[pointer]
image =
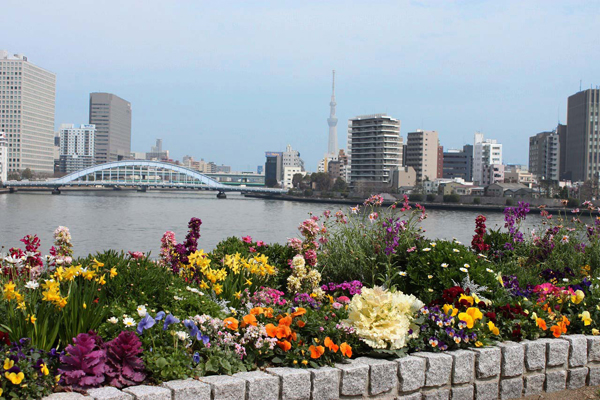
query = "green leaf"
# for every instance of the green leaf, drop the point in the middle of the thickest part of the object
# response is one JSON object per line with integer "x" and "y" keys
{"x": 212, "y": 364}
{"x": 161, "y": 363}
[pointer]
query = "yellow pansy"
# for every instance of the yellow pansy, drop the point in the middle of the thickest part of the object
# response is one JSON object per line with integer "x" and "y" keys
{"x": 14, "y": 378}
{"x": 450, "y": 310}
{"x": 8, "y": 364}
{"x": 44, "y": 369}
{"x": 577, "y": 297}
{"x": 595, "y": 332}
{"x": 493, "y": 328}
{"x": 586, "y": 318}
{"x": 469, "y": 299}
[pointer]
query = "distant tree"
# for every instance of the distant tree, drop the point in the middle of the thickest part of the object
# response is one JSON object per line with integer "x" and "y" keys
{"x": 270, "y": 182}
{"x": 340, "y": 185}
{"x": 322, "y": 180}
{"x": 14, "y": 176}
{"x": 26, "y": 174}
{"x": 297, "y": 179}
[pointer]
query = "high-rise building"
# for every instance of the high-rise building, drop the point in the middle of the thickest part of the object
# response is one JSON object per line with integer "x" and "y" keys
{"x": 77, "y": 147}
{"x": 440, "y": 162}
{"x": 422, "y": 154}
{"x": 374, "y": 148}
{"x": 27, "y": 113}
{"x": 582, "y": 152}
{"x": 3, "y": 157}
{"x": 544, "y": 153}
{"x": 485, "y": 152}
{"x": 332, "y": 147}
{"x": 273, "y": 168}
{"x": 291, "y": 158}
{"x": 562, "y": 144}
{"x": 459, "y": 163}
{"x": 157, "y": 152}
{"x": 112, "y": 117}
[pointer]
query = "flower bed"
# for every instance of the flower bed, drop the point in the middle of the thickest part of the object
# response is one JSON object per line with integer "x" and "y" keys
{"x": 363, "y": 299}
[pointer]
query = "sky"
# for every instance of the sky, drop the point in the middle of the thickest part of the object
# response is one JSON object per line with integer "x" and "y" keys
{"x": 227, "y": 81}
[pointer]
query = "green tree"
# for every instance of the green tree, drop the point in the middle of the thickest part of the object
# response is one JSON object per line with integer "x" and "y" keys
{"x": 297, "y": 179}
{"x": 26, "y": 174}
{"x": 340, "y": 185}
{"x": 322, "y": 180}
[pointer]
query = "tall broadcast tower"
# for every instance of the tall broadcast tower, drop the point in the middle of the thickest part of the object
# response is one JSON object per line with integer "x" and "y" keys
{"x": 332, "y": 121}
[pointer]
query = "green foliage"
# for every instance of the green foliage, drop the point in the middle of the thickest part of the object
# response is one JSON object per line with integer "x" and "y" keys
{"x": 219, "y": 362}
{"x": 165, "y": 363}
{"x": 476, "y": 200}
{"x": 451, "y": 198}
{"x": 431, "y": 197}
{"x": 415, "y": 197}
{"x": 436, "y": 266}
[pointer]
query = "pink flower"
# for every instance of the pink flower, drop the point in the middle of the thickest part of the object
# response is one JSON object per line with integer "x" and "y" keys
{"x": 311, "y": 257}
{"x": 411, "y": 249}
{"x": 247, "y": 239}
{"x": 260, "y": 243}
{"x": 373, "y": 216}
{"x": 343, "y": 300}
{"x": 252, "y": 250}
{"x": 136, "y": 255}
{"x": 337, "y": 305}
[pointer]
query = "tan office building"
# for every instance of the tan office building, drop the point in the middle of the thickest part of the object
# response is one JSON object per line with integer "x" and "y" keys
{"x": 582, "y": 142}
{"x": 27, "y": 102}
{"x": 112, "y": 117}
{"x": 422, "y": 149}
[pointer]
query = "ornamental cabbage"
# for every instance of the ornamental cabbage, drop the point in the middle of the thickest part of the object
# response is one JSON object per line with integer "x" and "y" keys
{"x": 84, "y": 364}
{"x": 383, "y": 319}
{"x": 124, "y": 366}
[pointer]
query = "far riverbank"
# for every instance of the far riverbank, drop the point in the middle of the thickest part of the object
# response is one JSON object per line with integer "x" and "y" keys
{"x": 428, "y": 205}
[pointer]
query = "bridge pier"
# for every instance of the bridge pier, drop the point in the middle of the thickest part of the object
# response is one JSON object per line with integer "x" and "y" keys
{"x": 221, "y": 195}
{"x": 12, "y": 190}
{"x": 116, "y": 188}
{"x": 56, "y": 191}
{"x": 143, "y": 189}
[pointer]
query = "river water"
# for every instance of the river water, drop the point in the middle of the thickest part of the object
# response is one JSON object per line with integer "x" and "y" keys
{"x": 133, "y": 221}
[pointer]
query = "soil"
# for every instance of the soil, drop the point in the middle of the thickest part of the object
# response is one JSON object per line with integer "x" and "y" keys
{"x": 586, "y": 393}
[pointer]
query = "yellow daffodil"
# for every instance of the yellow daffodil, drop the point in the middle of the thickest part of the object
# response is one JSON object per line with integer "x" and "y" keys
{"x": 84, "y": 306}
{"x": 577, "y": 297}
{"x": 595, "y": 332}
{"x": 33, "y": 319}
{"x": 499, "y": 278}
{"x": 57, "y": 378}
{"x": 101, "y": 280}
{"x": 238, "y": 295}
{"x": 14, "y": 378}
{"x": 586, "y": 318}
{"x": 9, "y": 287}
{"x": 248, "y": 282}
{"x": 89, "y": 274}
{"x": 1, "y": 391}
{"x": 204, "y": 285}
{"x": 44, "y": 369}
{"x": 98, "y": 264}
{"x": 218, "y": 288}
{"x": 113, "y": 272}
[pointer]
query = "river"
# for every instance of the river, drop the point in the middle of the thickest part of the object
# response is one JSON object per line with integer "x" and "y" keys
{"x": 133, "y": 221}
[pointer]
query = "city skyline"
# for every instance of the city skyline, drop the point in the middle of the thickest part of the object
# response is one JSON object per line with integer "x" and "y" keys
{"x": 503, "y": 69}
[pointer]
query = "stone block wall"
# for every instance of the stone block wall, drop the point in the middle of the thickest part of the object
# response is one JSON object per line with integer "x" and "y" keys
{"x": 507, "y": 371}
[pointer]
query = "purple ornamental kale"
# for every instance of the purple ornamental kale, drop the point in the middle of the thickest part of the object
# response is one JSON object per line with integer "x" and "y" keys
{"x": 124, "y": 366}
{"x": 84, "y": 364}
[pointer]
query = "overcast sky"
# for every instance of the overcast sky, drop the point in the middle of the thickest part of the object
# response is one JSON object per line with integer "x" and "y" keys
{"x": 228, "y": 80}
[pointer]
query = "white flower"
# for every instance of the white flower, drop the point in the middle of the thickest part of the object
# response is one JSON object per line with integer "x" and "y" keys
{"x": 464, "y": 270}
{"x": 482, "y": 255}
{"x": 456, "y": 250}
{"x": 467, "y": 266}
{"x": 403, "y": 273}
{"x": 178, "y": 298}
{"x": 298, "y": 261}
{"x": 444, "y": 265}
{"x": 489, "y": 270}
{"x": 430, "y": 276}
{"x": 32, "y": 285}
{"x": 433, "y": 244}
{"x": 354, "y": 210}
{"x": 128, "y": 321}
{"x": 565, "y": 280}
{"x": 457, "y": 242}
{"x": 181, "y": 335}
{"x": 142, "y": 311}
{"x": 113, "y": 320}
{"x": 565, "y": 239}
{"x": 427, "y": 249}
{"x": 431, "y": 290}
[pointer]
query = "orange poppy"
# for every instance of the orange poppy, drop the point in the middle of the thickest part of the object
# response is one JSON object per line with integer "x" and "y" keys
{"x": 250, "y": 320}
{"x": 346, "y": 350}
{"x": 330, "y": 345}
{"x": 231, "y": 323}
{"x": 284, "y": 345}
{"x": 256, "y": 311}
{"x": 271, "y": 330}
{"x": 316, "y": 351}
{"x": 300, "y": 323}
{"x": 299, "y": 311}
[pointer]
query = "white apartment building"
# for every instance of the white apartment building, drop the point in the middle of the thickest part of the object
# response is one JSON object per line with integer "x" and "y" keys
{"x": 77, "y": 147}
{"x": 27, "y": 102}
{"x": 486, "y": 152}
{"x": 422, "y": 154}
{"x": 3, "y": 157}
{"x": 374, "y": 148}
{"x": 288, "y": 176}
{"x": 291, "y": 158}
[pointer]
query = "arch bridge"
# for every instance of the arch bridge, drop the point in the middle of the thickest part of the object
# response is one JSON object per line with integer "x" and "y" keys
{"x": 138, "y": 174}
